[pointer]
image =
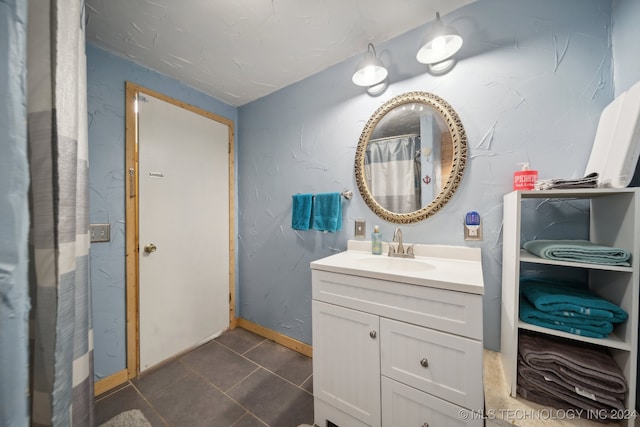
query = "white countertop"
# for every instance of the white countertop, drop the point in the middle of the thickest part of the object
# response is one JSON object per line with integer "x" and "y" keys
{"x": 456, "y": 268}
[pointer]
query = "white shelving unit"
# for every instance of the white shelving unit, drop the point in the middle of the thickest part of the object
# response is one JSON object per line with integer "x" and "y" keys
{"x": 614, "y": 220}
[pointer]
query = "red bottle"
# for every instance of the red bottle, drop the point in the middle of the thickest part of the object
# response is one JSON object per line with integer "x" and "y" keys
{"x": 524, "y": 179}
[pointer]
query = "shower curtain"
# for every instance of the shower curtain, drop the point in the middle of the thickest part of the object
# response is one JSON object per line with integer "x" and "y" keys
{"x": 61, "y": 383}
{"x": 392, "y": 171}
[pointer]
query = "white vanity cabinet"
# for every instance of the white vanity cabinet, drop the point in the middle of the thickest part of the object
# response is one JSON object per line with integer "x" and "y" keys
{"x": 614, "y": 220}
{"x": 390, "y": 353}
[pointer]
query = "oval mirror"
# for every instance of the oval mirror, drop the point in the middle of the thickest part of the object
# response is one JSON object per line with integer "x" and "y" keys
{"x": 410, "y": 157}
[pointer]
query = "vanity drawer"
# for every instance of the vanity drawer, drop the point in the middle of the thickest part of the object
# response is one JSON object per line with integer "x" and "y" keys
{"x": 444, "y": 310}
{"x": 438, "y": 363}
{"x": 404, "y": 406}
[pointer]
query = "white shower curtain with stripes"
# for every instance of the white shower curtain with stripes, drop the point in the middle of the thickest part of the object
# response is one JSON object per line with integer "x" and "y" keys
{"x": 62, "y": 348}
{"x": 392, "y": 171}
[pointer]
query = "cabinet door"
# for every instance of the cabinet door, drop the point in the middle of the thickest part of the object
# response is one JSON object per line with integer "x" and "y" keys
{"x": 346, "y": 361}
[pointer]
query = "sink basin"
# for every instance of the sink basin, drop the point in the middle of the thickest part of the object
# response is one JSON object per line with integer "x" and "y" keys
{"x": 390, "y": 263}
{"x": 456, "y": 268}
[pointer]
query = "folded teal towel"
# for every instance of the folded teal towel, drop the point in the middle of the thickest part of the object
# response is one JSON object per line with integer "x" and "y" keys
{"x": 573, "y": 325}
{"x": 327, "y": 212}
{"x": 301, "y": 211}
{"x": 567, "y": 299}
{"x": 578, "y": 251}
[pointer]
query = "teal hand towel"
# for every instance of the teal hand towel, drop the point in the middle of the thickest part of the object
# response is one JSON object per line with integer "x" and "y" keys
{"x": 557, "y": 298}
{"x": 578, "y": 251}
{"x": 327, "y": 212}
{"x": 573, "y": 325}
{"x": 301, "y": 211}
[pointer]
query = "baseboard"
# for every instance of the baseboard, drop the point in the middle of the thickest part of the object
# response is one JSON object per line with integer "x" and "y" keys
{"x": 272, "y": 335}
{"x": 110, "y": 382}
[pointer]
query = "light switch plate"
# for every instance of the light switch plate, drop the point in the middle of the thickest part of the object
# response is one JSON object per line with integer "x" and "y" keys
{"x": 100, "y": 232}
{"x": 360, "y": 231}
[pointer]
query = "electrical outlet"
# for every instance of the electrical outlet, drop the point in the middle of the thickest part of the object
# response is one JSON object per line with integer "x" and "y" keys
{"x": 100, "y": 232}
{"x": 473, "y": 232}
{"x": 360, "y": 231}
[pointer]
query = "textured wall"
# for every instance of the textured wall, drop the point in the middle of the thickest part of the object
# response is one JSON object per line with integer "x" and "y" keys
{"x": 531, "y": 83}
{"x": 106, "y": 76}
{"x": 14, "y": 215}
{"x": 626, "y": 33}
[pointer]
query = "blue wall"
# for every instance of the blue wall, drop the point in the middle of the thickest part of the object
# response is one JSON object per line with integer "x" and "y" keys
{"x": 106, "y": 76}
{"x": 530, "y": 85}
{"x": 625, "y": 38}
{"x": 14, "y": 215}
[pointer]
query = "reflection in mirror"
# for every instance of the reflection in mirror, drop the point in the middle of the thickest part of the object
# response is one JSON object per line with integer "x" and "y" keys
{"x": 408, "y": 153}
{"x": 410, "y": 157}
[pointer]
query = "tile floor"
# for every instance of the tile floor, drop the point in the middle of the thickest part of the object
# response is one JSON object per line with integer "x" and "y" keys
{"x": 239, "y": 379}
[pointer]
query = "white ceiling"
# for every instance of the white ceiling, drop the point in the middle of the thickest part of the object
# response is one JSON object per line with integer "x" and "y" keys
{"x": 240, "y": 50}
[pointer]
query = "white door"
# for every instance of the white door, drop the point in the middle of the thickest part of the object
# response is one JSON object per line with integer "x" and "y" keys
{"x": 183, "y": 229}
{"x": 346, "y": 361}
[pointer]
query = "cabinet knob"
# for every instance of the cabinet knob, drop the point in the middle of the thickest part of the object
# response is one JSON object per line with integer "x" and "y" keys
{"x": 425, "y": 364}
{"x": 373, "y": 334}
{"x": 425, "y": 425}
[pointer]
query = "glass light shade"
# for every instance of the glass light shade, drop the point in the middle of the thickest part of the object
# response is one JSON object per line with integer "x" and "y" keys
{"x": 439, "y": 49}
{"x": 441, "y": 43}
{"x": 370, "y": 71}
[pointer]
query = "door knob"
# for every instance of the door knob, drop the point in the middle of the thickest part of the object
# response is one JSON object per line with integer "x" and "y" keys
{"x": 150, "y": 247}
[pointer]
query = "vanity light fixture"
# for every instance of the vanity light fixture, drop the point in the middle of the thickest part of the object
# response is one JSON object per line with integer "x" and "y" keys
{"x": 439, "y": 46}
{"x": 371, "y": 73}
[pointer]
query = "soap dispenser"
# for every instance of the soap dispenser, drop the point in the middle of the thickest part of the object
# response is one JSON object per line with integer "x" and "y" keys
{"x": 376, "y": 241}
{"x": 524, "y": 179}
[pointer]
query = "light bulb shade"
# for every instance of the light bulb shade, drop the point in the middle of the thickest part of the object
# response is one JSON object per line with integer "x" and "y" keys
{"x": 370, "y": 71}
{"x": 441, "y": 43}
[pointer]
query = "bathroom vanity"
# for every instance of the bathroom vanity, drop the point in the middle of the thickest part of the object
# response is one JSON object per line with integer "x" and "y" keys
{"x": 398, "y": 341}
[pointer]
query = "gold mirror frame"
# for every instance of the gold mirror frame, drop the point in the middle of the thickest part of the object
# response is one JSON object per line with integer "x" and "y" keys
{"x": 459, "y": 141}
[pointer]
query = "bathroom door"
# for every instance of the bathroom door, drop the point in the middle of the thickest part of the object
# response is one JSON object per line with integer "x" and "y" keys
{"x": 183, "y": 216}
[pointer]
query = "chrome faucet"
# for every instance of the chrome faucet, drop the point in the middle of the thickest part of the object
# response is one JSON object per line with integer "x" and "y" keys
{"x": 400, "y": 251}
{"x": 397, "y": 237}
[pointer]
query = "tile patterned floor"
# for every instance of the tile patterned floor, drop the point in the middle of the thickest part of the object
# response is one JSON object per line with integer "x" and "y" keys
{"x": 239, "y": 379}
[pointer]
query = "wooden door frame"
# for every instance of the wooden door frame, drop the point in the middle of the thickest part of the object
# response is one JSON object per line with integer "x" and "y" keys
{"x": 131, "y": 217}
